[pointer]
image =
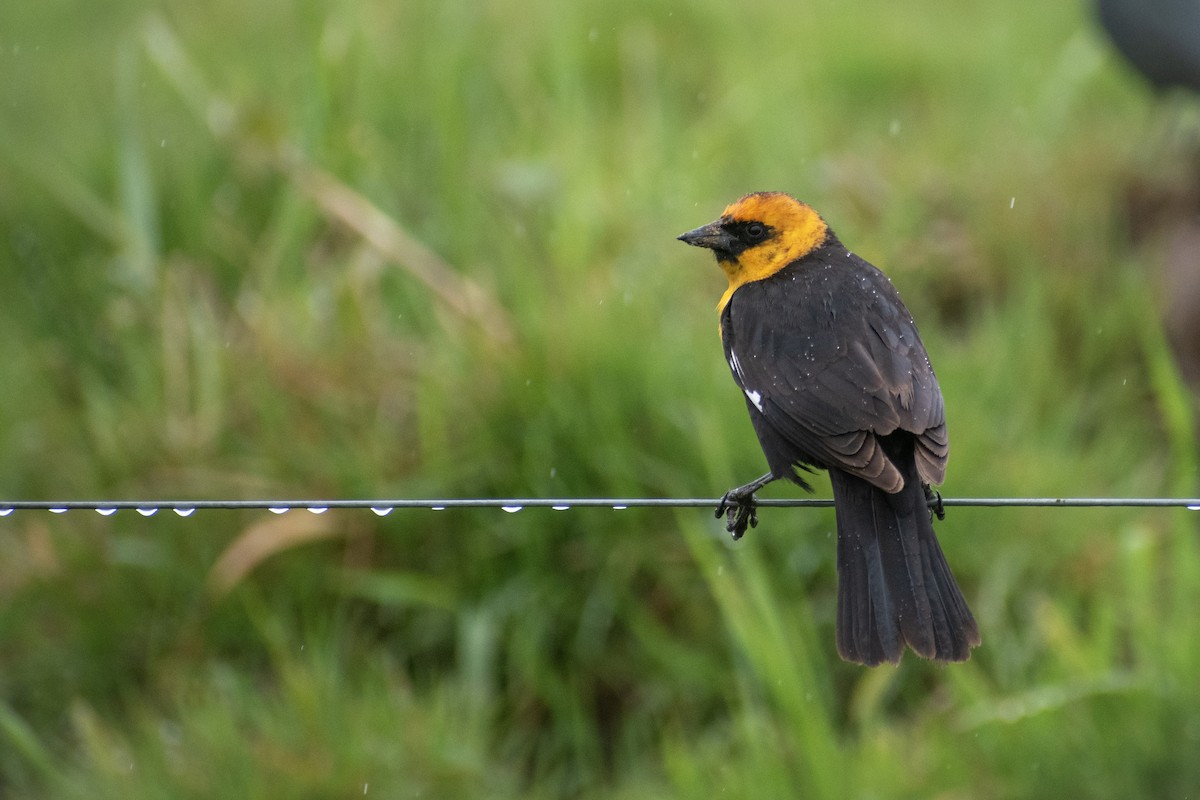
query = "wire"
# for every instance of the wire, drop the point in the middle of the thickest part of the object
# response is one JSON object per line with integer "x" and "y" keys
{"x": 513, "y": 504}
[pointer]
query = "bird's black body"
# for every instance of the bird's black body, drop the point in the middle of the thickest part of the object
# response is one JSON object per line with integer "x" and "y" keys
{"x": 836, "y": 377}
{"x": 835, "y": 361}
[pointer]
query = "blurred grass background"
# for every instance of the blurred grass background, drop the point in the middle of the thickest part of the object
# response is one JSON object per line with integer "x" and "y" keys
{"x": 427, "y": 249}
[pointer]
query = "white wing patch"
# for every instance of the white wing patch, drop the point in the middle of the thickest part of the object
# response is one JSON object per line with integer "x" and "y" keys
{"x": 736, "y": 365}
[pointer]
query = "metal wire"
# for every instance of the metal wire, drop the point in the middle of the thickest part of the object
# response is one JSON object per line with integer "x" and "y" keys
{"x": 512, "y": 504}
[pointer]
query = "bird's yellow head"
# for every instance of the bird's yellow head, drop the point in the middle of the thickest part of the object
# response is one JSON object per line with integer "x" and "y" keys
{"x": 759, "y": 235}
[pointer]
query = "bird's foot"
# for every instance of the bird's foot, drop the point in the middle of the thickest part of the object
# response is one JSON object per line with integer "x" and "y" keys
{"x": 740, "y": 512}
{"x": 740, "y": 507}
{"x": 934, "y": 498}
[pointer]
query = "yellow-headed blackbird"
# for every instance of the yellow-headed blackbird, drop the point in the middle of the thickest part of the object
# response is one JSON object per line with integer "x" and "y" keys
{"x": 836, "y": 377}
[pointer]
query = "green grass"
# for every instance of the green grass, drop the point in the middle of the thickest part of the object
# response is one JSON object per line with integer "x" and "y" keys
{"x": 192, "y": 310}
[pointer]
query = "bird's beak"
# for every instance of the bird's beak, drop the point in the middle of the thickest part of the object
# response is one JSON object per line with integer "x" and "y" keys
{"x": 713, "y": 236}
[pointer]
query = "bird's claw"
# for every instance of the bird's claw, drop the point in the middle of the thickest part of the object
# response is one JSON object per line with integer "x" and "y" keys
{"x": 740, "y": 512}
{"x": 934, "y": 497}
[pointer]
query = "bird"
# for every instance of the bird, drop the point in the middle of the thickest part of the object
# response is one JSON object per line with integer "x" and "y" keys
{"x": 1159, "y": 38}
{"x": 835, "y": 377}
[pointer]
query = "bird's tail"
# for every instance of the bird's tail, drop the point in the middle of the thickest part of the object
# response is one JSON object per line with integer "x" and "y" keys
{"x": 894, "y": 585}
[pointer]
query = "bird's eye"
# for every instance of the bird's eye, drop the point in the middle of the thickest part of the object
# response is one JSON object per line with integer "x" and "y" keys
{"x": 755, "y": 231}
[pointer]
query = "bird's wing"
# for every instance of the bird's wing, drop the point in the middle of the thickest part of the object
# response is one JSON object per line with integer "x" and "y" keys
{"x": 827, "y": 353}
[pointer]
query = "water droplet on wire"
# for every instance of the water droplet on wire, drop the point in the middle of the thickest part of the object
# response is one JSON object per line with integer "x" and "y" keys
{"x": 620, "y": 508}
{"x": 278, "y": 509}
{"x": 106, "y": 512}
{"x": 438, "y": 508}
{"x": 185, "y": 512}
{"x": 147, "y": 512}
{"x": 511, "y": 509}
{"x": 4, "y": 512}
{"x": 58, "y": 511}
{"x": 560, "y": 508}
{"x": 382, "y": 511}
{"x": 318, "y": 509}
